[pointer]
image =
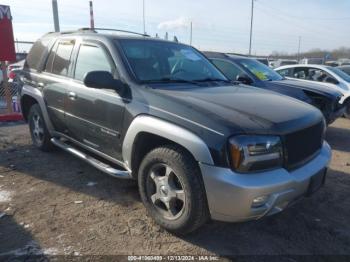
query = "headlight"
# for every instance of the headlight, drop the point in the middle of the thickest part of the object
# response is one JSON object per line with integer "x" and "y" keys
{"x": 255, "y": 153}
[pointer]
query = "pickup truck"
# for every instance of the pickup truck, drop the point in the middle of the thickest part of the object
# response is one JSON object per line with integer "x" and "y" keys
{"x": 199, "y": 146}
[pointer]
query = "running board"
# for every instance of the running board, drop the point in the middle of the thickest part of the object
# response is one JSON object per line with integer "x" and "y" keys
{"x": 92, "y": 161}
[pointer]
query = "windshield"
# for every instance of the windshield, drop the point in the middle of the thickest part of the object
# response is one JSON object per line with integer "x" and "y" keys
{"x": 340, "y": 73}
{"x": 158, "y": 61}
{"x": 260, "y": 70}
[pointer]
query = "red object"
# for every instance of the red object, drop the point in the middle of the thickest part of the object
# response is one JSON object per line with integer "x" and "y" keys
{"x": 12, "y": 75}
{"x": 11, "y": 117}
{"x": 7, "y": 44}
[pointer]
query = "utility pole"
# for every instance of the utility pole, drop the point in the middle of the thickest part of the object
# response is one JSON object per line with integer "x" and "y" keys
{"x": 299, "y": 47}
{"x": 92, "y": 21}
{"x": 251, "y": 28}
{"x": 55, "y": 16}
{"x": 191, "y": 33}
{"x": 144, "y": 16}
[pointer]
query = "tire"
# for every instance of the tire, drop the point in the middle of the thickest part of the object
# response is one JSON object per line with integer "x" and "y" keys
{"x": 186, "y": 211}
{"x": 347, "y": 110}
{"x": 38, "y": 130}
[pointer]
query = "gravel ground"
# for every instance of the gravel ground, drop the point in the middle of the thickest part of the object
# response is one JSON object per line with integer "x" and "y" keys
{"x": 54, "y": 204}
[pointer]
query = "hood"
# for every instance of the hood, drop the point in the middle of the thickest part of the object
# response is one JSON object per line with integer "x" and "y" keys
{"x": 237, "y": 109}
{"x": 329, "y": 92}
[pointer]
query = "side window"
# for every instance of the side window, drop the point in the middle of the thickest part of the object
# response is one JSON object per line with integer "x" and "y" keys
{"x": 91, "y": 58}
{"x": 49, "y": 61}
{"x": 61, "y": 59}
{"x": 230, "y": 70}
{"x": 284, "y": 72}
{"x": 301, "y": 73}
{"x": 319, "y": 75}
{"x": 36, "y": 53}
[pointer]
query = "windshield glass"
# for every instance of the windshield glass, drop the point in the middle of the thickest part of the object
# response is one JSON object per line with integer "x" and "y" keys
{"x": 158, "y": 61}
{"x": 260, "y": 70}
{"x": 340, "y": 73}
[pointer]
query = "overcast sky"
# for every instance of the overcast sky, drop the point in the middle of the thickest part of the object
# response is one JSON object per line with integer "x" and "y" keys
{"x": 221, "y": 25}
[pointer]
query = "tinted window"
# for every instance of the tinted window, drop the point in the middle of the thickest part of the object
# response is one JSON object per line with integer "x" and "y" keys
{"x": 340, "y": 73}
{"x": 158, "y": 61}
{"x": 37, "y": 53}
{"x": 48, "y": 66}
{"x": 345, "y": 69}
{"x": 260, "y": 70}
{"x": 91, "y": 58}
{"x": 315, "y": 74}
{"x": 302, "y": 73}
{"x": 285, "y": 72}
{"x": 61, "y": 61}
{"x": 230, "y": 70}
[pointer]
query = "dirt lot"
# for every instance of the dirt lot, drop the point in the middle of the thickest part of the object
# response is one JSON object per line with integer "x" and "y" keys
{"x": 52, "y": 203}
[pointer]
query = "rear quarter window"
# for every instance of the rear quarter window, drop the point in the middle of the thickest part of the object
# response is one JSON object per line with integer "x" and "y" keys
{"x": 37, "y": 53}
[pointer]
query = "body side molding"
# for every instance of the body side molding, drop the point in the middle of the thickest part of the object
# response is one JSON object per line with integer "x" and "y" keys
{"x": 153, "y": 125}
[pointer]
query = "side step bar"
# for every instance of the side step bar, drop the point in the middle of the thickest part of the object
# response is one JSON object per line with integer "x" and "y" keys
{"x": 92, "y": 161}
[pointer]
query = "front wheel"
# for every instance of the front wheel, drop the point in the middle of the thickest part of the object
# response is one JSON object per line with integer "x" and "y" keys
{"x": 38, "y": 130}
{"x": 172, "y": 190}
{"x": 347, "y": 110}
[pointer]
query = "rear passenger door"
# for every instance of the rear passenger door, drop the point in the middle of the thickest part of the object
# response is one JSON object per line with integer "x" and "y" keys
{"x": 94, "y": 116}
{"x": 55, "y": 79}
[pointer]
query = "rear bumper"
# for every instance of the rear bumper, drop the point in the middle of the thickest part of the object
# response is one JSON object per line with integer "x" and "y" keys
{"x": 230, "y": 195}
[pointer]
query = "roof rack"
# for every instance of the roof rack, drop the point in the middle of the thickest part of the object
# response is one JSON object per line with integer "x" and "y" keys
{"x": 111, "y": 29}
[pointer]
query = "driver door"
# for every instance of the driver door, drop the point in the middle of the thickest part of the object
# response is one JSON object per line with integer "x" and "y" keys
{"x": 94, "y": 116}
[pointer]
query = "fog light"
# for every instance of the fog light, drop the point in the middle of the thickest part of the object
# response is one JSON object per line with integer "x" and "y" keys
{"x": 260, "y": 201}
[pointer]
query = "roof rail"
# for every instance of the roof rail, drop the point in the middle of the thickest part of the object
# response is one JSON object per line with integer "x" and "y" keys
{"x": 111, "y": 29}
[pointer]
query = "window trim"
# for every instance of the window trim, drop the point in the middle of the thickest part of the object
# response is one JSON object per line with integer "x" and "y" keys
{"x": 54, "y": 49}
{"x": 100, "y": 45}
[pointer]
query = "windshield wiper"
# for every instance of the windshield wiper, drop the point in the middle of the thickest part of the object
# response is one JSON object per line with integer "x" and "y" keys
{"x": 212, "y": 80}
{"x": 171, "y": 80}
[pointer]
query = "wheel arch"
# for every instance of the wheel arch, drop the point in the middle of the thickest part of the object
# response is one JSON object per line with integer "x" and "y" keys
{"x": 32, "y": 95}
{"x": 159, "y": 132}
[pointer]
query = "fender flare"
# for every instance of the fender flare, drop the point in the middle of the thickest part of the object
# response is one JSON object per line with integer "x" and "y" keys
{"x": 149, "y": 124}
{"x": 38, "y": 96}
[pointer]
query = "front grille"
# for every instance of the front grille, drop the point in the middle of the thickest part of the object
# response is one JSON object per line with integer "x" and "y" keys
{"x": 302, "y": 145}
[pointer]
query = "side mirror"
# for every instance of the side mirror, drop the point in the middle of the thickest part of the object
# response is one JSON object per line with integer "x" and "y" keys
{"x": 244, "y": 79}
{"x": 102, "y": 80}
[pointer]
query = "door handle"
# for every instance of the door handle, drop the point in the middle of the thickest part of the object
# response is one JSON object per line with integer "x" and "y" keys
{"x": 72, "y": 95}
{"x": 40, "y": 84}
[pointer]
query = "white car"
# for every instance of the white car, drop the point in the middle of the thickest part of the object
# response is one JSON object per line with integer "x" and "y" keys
{"x": 329, "y": 76}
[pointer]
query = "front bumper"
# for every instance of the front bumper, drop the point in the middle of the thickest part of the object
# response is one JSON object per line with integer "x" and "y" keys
{"x": 230, "y": 195}
{"x": 335, "y": 115}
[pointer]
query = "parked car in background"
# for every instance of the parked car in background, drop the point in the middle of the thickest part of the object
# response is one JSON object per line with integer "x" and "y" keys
{"x": 314, "y": 61}
{"x": 264, "y": 61}
{"x": 331, "y": 63}
{"x": 161, "y": 113}
{"x": 345, "y": 68}
{"x": 21, "y": 56}
{"x": 251, "y": 72}
{"x": 14, "y": 77}
{"x": 331, "y": 77}
{"x": 17, "y": 65}
{"x": 282, "y": 62}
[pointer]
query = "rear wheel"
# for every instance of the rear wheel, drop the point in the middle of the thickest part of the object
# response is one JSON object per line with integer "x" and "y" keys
{"x": 38, "y": 130}
{"x": 172, "y": 190}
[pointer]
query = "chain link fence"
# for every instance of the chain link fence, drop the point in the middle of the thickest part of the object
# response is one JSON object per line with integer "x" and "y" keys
{"x": 9, "y": 92}
{"x": 9, "y": 99}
